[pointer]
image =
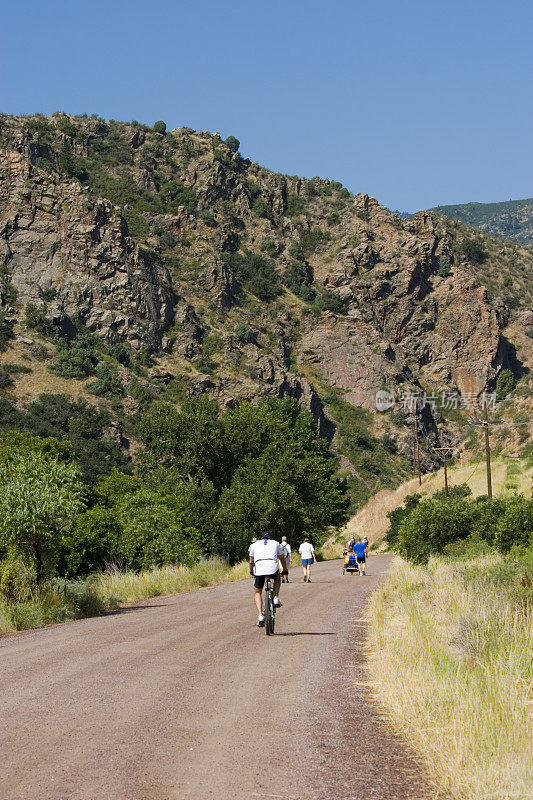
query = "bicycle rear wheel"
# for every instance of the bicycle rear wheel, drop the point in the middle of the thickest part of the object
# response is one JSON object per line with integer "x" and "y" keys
{"x": 267, "y": 611}
{"x": 271, "y": 615}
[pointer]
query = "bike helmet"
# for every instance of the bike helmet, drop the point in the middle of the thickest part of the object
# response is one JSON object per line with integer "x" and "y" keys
{"x": 266, "y": 535}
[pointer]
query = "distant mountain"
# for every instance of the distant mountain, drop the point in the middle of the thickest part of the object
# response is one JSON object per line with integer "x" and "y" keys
{"x": 512, "y": 219}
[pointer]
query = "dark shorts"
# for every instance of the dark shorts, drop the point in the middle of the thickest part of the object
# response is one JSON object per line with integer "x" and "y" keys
{"x": 361, "y": 560}
{"x": 259, "y": 580}
{"x": 306, "y": 562}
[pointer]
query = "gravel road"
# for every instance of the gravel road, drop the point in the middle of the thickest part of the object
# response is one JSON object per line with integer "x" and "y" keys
{"x": 183, "y": 698}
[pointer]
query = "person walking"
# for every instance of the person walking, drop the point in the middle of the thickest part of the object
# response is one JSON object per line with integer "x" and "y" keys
{"x": 287, "y": 553}
{"x": 307, "y": 553}
{"x": 360, "y": 554}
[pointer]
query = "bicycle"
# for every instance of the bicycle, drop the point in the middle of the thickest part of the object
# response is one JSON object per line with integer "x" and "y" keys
{"x": 269, "y": 609}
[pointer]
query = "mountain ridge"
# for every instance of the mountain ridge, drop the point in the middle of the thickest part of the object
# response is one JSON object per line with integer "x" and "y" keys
{"x": 218, "y": 276}
{"x": 510, "y": 219}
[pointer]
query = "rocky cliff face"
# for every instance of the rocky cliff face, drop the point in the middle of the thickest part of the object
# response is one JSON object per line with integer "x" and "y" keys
{"x": 241, "y": 282}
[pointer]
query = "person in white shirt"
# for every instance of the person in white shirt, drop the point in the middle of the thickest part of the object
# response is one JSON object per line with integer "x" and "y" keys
{"x": 254, "y": 540}
{"x": 264, "y": 555}
{"x": 287, "y": 553}
{"x": 307, "y": 552}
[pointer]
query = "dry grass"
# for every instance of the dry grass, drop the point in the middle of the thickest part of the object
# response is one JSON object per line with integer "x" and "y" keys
{"x": 451, "y": 661}
{"x": 371, "y": 520}
{"x": 64, "y": 600}
{"x": 127, "y": 587}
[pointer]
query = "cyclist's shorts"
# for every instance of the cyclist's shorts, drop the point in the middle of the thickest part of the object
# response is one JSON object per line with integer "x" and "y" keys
{"x": 306, "y": 562}
{"x": 259, "y": 581}
{"x": 361, "y": 560}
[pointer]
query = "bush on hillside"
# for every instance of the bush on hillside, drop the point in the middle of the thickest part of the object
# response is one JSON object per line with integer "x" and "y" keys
{"x": 233, "y": 144}
{"x": 256, "y": 273}
{"x": 160, "y": 127}
{"x": 505, "y": 384}
{"x": 473, "y": 251}
{"x": 76, "y": 360}
{"x": 6, "y": 331}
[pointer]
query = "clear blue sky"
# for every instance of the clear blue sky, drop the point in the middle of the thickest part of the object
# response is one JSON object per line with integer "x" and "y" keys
{"x": 416, "y": 103}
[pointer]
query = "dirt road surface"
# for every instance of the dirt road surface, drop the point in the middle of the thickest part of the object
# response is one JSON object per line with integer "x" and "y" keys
{"x": 183, "y": 698}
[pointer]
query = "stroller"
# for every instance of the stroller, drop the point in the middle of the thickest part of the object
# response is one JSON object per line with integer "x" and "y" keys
{"x": 350, "y": 562}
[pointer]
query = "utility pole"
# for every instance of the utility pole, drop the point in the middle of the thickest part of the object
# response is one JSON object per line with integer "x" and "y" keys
{"x": 487, "y": 453}
{"x": 417, "y": 445}
{"x": 445, "y": 451}
{"x": 485, "y": 424}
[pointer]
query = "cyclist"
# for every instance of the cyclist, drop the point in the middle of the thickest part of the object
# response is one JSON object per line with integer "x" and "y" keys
{"x": 307, "y": 553}
{"x": 264, "y": 556}
{"x": 360, "y": 554}
{"x": 287, "y": 553}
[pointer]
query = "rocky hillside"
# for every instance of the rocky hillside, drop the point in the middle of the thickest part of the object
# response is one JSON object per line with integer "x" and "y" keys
{"x": 195, "y": 270}
{"x": 512, "y": 219}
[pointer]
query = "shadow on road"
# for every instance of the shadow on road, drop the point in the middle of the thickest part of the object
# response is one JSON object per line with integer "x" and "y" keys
{"x": 129, "y": 609}
{"x": 307, "y": 633}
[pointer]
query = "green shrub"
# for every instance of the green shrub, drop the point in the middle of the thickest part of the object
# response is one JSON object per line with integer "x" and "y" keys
{"x": 233, "y": 144}
{"x": 444, "y": 267}
{"x": 6, "y": 331}
{"x": 107, "y": 383}
{"x": 473, "y": 251}
{"x": 160, "y": 127}
{"x": 72, "y": 165}
{"x": 17, "y": 577}
{"x": 329, "y": 301}
{"x": 431, "y": 526}
{"x": 120, "y": 353}
{"x": 260, "y": 207}
{"x": 66, "y": 126}
{"x": 311, "y": 239}
{"x": 36, "y": 318}
{"x": 244, "y": 333}
{"x": 397, "y": 516}
{"x": 92, "y": 544}
{"x": 295, "y": 204}
{"x": 256, "y": 273}
{"x": 505, "y": 384}
{"x": 515, "y": 525}
{"x": 298, "y": 278}
{"x": 76, "y": 360}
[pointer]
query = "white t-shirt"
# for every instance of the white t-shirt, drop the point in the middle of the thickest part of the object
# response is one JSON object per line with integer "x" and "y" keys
{"x": 250, "y": 550}
{"x": 265, "y": 554}
{"x": 306, "y": 550}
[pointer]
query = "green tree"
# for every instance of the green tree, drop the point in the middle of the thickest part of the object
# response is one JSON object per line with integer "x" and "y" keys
{"x": 39, "y": 498}
{"x": 154, "y": 533}
{"x": 432, "y": 525}
{"x": 160, "y": 127}
{"x": 233, "y": 144}
{"x": 92, "y": 543}
{"x": 505, "y": 384}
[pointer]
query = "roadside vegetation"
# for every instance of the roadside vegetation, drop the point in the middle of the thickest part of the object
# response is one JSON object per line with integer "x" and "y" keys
{"x": 82, "y": 531}
{"x": 28, "y": 604}
{"x": 450, "y": 647}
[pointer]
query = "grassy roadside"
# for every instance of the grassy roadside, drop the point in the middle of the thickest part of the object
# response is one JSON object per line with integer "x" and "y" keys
{"x": 61, "y": 600}
{"x": 450, "y": 655}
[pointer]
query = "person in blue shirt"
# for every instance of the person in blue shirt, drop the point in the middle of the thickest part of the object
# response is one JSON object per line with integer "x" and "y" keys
{"x": 359, "y": 549}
